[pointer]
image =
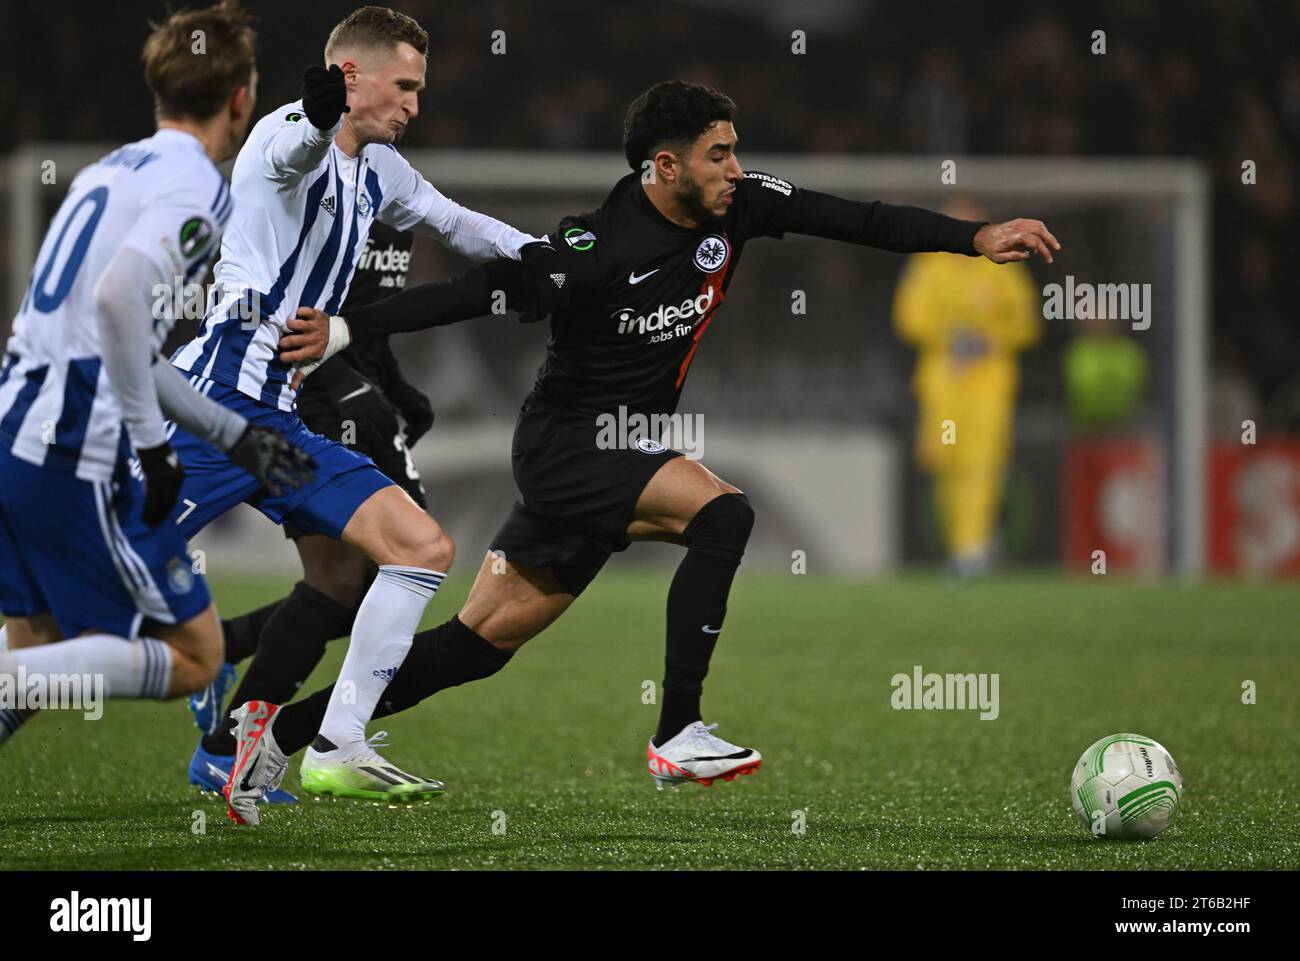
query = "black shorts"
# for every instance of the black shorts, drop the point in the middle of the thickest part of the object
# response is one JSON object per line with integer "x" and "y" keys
{"x": 577, "y": 499}
{"x": 355, "y": 412}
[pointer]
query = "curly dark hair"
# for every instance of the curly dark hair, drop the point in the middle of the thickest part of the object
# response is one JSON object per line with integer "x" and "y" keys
{"x": 671, "y": 112}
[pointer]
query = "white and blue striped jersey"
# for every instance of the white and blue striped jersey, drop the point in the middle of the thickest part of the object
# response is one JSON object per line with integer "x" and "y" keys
{"x": 303, "y": 210}
{"x": 162, "y": 197}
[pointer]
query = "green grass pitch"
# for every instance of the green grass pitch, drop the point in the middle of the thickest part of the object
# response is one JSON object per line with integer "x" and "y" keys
{"x": 556, "y": 742}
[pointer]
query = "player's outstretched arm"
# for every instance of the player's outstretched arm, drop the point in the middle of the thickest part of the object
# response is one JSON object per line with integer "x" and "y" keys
{"x": 410, "y": 202}
{"x": 524, "y": 285}
{"x": 295, "y": 147}
{"x": 470, "y": 233}
{"x": 778, "y": 207}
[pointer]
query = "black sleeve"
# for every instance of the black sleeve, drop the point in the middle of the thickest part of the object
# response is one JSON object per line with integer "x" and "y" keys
{"x": 775, "y": 207}
{"x": 472, "y": 294}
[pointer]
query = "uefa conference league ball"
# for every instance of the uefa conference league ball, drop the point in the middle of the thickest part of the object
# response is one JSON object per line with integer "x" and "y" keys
{"x": 1126, "y": 787}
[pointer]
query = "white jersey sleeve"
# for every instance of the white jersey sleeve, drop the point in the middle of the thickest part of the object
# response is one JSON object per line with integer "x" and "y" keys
{"x": 291, "y": 146}
{"x": 177, "y": 234}
{"x": 412, "y": 203}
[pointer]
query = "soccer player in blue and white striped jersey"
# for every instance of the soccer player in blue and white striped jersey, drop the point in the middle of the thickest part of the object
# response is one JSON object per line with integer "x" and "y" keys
{"x": 89, "y": 551}
{"x": 308, "y": 184}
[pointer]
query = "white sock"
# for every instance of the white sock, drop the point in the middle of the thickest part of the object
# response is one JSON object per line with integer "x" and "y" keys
{"x": 4, "y": 637}
{"x": 381, "y": 638}
{"x": 133, "y": 669}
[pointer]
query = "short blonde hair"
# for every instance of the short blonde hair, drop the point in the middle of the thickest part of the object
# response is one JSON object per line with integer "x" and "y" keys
{"x": 375, "y": 27}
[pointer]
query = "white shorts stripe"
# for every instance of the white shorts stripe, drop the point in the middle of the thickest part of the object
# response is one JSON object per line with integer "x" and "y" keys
{"x": 131, "y": 568}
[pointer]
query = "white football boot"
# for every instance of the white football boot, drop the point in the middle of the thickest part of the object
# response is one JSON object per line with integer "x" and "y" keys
{"x": 259, "y": 763}
{"x": 696, "y": 755}
{"x": 363, "y": 774}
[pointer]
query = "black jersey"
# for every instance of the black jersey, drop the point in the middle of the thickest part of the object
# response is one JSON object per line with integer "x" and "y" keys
{"x": 381, "y": 272}
{"x": 640, "y": 291}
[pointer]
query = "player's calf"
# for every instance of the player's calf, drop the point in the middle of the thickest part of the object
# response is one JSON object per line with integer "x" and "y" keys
{"x": 413, "y": 555}
{"x": 697, "y": 605}
{"x": 142, "y": 668}
{"x": 510, "y": 604}
{"x": 340, "y": 572}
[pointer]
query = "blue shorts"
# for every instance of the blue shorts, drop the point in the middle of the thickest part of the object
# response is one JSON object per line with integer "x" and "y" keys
{"x": 79, "y": 550}
{"x": 214, "y": 483}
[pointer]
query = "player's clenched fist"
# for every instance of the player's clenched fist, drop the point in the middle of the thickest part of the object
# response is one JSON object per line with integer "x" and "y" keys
{"x": 314, "y": 337}
{"x": 324, "y": 95}
{"x": 1015, "y": 240}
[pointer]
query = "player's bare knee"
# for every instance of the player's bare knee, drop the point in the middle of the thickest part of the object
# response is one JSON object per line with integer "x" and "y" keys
{"x": 433, "y": 551}
{"x": 437, "y": 552}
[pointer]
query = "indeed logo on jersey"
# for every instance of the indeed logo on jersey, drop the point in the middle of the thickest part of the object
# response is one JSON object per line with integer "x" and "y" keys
{"x": 388, "y": 259}
{"x": 665, "y": 318}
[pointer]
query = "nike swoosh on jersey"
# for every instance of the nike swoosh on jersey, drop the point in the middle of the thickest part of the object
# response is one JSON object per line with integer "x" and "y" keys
{"x": 363, "y": 389}
{"x": 711, "y": 630}
{"x": 632, "y": 278}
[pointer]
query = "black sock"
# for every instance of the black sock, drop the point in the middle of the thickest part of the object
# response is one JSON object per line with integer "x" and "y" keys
{"x": 446, "y": 656}
{"x": 292, "y": 644}
{"x": 242, "y": 632}
{"x": 697, "y": 604}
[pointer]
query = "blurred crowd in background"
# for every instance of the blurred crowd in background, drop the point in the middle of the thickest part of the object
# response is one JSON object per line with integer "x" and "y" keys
{"x": 1217, "y": 80}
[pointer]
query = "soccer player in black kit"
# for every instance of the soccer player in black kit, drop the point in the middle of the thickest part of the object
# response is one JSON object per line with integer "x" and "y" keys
{"x": 631, "y": 289}
{"x": 356, "y": 398}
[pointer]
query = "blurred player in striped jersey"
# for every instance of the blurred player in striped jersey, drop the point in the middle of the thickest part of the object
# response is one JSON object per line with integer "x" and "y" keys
{"x": 89, "y": 548}
{"x": 313, "y": 177}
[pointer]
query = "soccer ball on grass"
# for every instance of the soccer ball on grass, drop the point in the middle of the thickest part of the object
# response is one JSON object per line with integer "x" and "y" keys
{"x": 1126, "y": 787}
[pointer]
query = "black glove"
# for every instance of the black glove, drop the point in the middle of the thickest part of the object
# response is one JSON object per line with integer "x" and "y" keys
{"x": 414, "y": 407}
{"x": 163, "y": 475}
{"x": 548, "y": 280}
{"x": 277, "y": 464}
{"x": 324, "y": 95}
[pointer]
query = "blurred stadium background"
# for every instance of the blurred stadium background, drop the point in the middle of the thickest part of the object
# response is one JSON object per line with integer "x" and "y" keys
{"x": 1134, "y": 158}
